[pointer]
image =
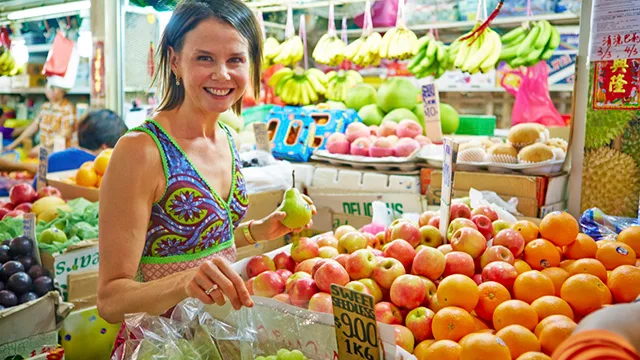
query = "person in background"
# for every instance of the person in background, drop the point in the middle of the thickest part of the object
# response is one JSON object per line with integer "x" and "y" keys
{"x": 57, "y": 118}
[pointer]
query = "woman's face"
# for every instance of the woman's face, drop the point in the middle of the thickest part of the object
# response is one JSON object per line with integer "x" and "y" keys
{"x": 213, "y": 66}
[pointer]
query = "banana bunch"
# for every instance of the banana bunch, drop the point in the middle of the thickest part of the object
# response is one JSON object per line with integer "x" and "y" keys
{"x": 479, "y": 52}
{"x": 339, "y": 82}
{"x": 523, "y": 47}
{"x": 7, "y": 64}
{"x": 398, "y": 43}
{"x": 365, "y": 51}
{"x": 329, "y": 50}
{"x": 299, "y": 87}
{"x": 431, "y": 58}
{"x": 269, "y": 51}
{"x": 289, "y": 52}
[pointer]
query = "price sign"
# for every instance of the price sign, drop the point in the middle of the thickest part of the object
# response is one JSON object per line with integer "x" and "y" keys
{"x": 448, "y": 170}
{"x": 29, "y": 231}
{"x": 615, "y": 30}
{"x": 431, "y": 100}
{"x": 43, "y": 167}
{"x": 262, "y": 137}
{"x": 356, "y": 326}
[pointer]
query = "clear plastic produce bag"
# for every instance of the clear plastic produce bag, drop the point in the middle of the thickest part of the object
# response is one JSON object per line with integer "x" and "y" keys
{"x": 600, "y": 226}
{"x": 189, "y": 333}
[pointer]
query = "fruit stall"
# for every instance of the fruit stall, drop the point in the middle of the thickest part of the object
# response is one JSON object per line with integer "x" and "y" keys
{"x": 473, "y": 168}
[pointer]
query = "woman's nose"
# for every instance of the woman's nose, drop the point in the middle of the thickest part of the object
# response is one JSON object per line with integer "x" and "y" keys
{"x": 220, "y": 73}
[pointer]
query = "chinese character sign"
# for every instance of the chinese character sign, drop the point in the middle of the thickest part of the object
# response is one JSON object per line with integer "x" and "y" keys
{"x": 616, "y": 84}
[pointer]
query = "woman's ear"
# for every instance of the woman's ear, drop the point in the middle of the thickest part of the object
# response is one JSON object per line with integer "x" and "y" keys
{"x": 174, "y": 59}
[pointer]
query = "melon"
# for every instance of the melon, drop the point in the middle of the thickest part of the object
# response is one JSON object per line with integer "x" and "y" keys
{"x": 371, "y": 115}
{"x": 359, "y": 96}
{"x": 396, "y": 93}
{"x": 400, "y": 114}
{"x": 449, "y": 119}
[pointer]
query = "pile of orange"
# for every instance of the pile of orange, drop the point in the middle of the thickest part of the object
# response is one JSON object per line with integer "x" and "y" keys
{"x": 90, "y": 173}
{"x": 563, "y": 276}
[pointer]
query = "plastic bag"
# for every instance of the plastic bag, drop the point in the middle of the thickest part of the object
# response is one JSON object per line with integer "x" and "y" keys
{"x": 533, "y": 102}
{"x": 505, "y": 209}
{"x": 189, "y": 333}
{"x": 600, "y": 226}
{"x": 383, "y": 14}
{"x": 58, "y": 57}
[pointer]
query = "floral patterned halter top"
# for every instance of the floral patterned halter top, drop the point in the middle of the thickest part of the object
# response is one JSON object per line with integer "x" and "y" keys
{"x": 191, "y": 223}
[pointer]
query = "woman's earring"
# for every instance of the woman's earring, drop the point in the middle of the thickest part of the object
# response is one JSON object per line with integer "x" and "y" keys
{"x": 178, "y": 81}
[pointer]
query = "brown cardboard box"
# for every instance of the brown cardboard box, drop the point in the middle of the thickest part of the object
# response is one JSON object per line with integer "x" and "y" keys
{"x": 32, "y": 318}
{"x": 83, "y": 289}
{"x": 71, "y": 191}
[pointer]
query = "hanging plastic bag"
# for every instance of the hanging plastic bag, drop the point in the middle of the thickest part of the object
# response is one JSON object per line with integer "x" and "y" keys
{"x": 384, "y": 13}
{"x": 67, "y": 81}
{"x": 533, "y": 101}
{"x": 58, "y": 57}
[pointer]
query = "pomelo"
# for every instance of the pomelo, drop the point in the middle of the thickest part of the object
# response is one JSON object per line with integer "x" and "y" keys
{"x": 395, "y": 93}
{"x": 400, "y": 114}
{"x": 371, "y": 114}
{"x": 359, "y": 96}
{"x": 418, "y": 111}
{"x": 449, "y": 119}
{"x": 336, "y": 105}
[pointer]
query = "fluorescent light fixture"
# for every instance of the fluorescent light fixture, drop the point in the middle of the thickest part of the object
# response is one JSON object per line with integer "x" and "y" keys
{"x": 20, "y": 52}
{"x": 50, "y": 10}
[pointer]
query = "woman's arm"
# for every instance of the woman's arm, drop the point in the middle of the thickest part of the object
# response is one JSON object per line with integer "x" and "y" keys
{"x": 31, "y": 130}
{"x": 6, "y": 165}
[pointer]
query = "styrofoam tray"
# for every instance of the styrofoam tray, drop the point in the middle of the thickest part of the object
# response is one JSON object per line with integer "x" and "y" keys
{"x": 362, "y": 162}
{"x": 543, "y": 168}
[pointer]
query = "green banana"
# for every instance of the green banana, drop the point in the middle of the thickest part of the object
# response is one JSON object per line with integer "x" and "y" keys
{"x": 554, "y": 41}
{"x": 547, "y": 54}
{"x": 528, "y": 42}
{"x": 512, "y": 35}
{"x": 545, "y": 34}
{"x": 431, "y": 49}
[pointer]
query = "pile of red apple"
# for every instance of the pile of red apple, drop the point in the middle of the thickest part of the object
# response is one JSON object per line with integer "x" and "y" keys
{"x": 22, "y": 197}
{"x": 389, "y": 139}
{"x": 400, "y": 266}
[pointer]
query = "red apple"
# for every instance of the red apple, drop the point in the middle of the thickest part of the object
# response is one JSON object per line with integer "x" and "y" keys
{"x": 458, "y": 224}
{"x": 284, "y": 261}
{"x": 402, "y": 251}
{"x": 342, "y": 259}
{"x": 429, "y": 290}
{"x": 25, "y": 207}
{"x": 459, "y": 210}
{"x": 22, "y": 193}
{"x": 486, "y": 211}
{"x": 445, "y": 249}
{"x": 496, "y": 253}
{"x": 405, "y": 230}
{"x": 317, "y": 265}
{"x": 307, "y": 265}
{"x": 361, "y": 264}
{"x": 387, "y": 271}
{"x": 14, "y": 214}
{"x": 294, "y": 277}
{"x": 419, "y": 322}
{"x": 3, "y": 212}
{"x": 301, "y": 291}
{"x": 268, "y": 284}
{"x": 458, "y": 262}
{"x": 6, "y": 205}
{"x": 372, "y": 240}
{"x": 282, "y": 298}
{"x": 330, "y": 273}
{"x": 407, "y": 291}
{"x": 404, "y": 338}
{"x": 358, "y": 286}
{"x": 500, "y": 225}
{"x": 435, "y": 222}
{"x": 259, "y": 264}
{"x": 374, "y": 289}
{"x": 425, "y": 217}
{"x": 303, "y": 249}
{"x": 343, "y": 230}
{"x": 501, "y": 272}
{"x": 328, "y": 240}
{"x": 381, "y": 237}
{"x": 249, "y": 285}
{"x": 470, "y": 241}
{"x": 430, "y": 236}
{"x": 510, "y": 239}
{"x": 429, "y": 262}
{"x": 351, "y": 242}
{"x": 484, "y": 225}
{"x": 477, "y": 278}
{"x": 328, "y": 252}
{"x": 377, "y": 252}
{"x": 284, "y": 274}
{"x": 387, "y": 313}
{"x": 321, "y": 302}
{"x": 48, "y": 191}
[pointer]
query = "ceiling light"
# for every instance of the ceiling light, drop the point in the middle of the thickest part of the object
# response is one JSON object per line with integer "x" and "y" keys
{"x": 50, "y": 10}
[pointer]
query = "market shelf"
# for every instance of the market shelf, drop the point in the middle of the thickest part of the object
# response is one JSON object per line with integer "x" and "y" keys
{"x": 552, "y": 88}
{"x": 39, "y": 48}
{"x": 40, "y": 90}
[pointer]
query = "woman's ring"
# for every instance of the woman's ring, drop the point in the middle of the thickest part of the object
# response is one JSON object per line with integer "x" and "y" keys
{"x": 212, "y": 289}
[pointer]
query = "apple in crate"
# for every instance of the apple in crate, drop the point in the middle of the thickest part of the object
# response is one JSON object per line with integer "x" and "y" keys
{"x": 460, "y": 210}
{"x": 486, "y": 211}
{"x": 24, "y": 207}
{"x": 405, "y": 230}
{"x": 374, "y": 289}
{"x": 435, "y": 222}
{"x": 496, "y": 253}
{"x": 500, "y": 272}
{"x": 294, "y": 277}
{"x": 284, "y": 297}
{"x": 14, "y": 214}
{"x": 342, "y": 230}
{"x": 328, "y": 240}
{"x": 407, "y": 291}
{"x": 22, "y": 193}
{"x": 425, "y": 217}
{"x": 500, "y": 225}
{"x": 402, "y": 251}
{"x": 445, "y": 248}
{"x": 361, "y": 264}
{"x": 458, "y": 262}
{"x": 284, "y": 261}
{"x": 430, "y": 236}
{"x": 358, "y": 286}
{"x": 419, "y": 322}
{"x": 404, "y": 338}
{"x": 321, "y": 302}
{"x": 351, "y": 242}
{"x": 330, "y": 273}
{"x": 429, "y": 262}
{"x": 328, "y": 252}
{"x": 48, "y": 191}
{"x": 307, "y": 265}
{"x": 484, "y": 225}
{"x": 301, "y": 291}
{"x": 259, "y": 264}
{"x": 387, "y": 271}
{"x": 303, "y": 249}
{"x": 387, "y": 313}
{"x": 470, "y": 241}
{"x": 510, "y": 239}
{"x": 268, "y": 284}
{"x": 284, "y": 274}
{"x": 342, "y": 259}
{"x": 457, "y": 224}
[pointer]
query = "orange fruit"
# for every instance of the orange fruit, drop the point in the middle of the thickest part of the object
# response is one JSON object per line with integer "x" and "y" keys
{"x": 566, "y": 264}
{"x": 483, "y": 346}
{"x": 86, "y": 176}
{"x": 549, "y": 320}
{"x": 519, "y": 340}
{"x": 491, "y": 295}
{"x": 533, "y": 355}
{"x": 99, "y": 181}
{"x": 521, "y": 266}
{"x": 560, "y": 228}
{"x": 458, "y": 290}
{"x": 532, "y": 285}
{"x": 589, "y": 266}
{"x": 452, "y": 323}
{"x": 479, "y": 324}
{"x": 541, "y": 254}
{"x": 551, "y": 305}
{"x": 624, "y": 283}
{"x": 514, "y": 312}
{"x": 602, "y": 243}
{"x": 88, "y": 164}
{"x": 584, "y": 247}
{"x": 614, "y": 254}
{"x": 421, "y": 349}
{"x": 554, "y": 334}
{"x": 585, "y": 293}
{"x": 631, "y": 237}
{"x": 557, "y": 276}
{"x": 101, "y": 162}
{"x": 527, "y": 229}
{"x": 442, "y": 350}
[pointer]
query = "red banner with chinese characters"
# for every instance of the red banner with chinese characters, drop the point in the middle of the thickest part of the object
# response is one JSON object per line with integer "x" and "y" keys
{"x": 616, "y": 84}
{"x": 97, "y": 75}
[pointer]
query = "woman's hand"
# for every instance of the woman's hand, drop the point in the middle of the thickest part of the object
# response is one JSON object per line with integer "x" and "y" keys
{"x": 217, "y": 274}
{"x": 271, "y": 227}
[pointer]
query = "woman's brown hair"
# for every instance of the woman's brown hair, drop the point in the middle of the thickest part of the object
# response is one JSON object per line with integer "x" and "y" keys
{"x": 187, "y": 15}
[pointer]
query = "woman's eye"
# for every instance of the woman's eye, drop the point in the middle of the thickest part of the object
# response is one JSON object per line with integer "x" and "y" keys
{"x": 237, "y": 60}
{"x": 205, "y": 58}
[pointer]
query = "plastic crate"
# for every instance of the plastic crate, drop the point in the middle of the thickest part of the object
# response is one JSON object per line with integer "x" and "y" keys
{"x": 477, "y": 125}
{"x": 256, "y": 114}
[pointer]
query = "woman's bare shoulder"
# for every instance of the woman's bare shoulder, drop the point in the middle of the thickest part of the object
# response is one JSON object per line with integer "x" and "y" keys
{"x": 138, "y": 149}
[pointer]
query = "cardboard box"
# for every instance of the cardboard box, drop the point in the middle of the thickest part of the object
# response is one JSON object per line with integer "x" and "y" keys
{"x": 32, "y": 347}
{"x": 363, "y": 181}
{"x": 259, "y": 248}
{"x": 77, "y": 258}
{"x": 536, "y": 195}
{"x": 35, "y": 317}
{"x": 83, "y": 289}
{"x": 71, "y": 191}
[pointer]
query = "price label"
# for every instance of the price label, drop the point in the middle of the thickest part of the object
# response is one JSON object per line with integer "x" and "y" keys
{"x": 431, "y": 100}
{"x": 356, "y": 326}
{"x": 29, "y": 231}
{"x": 262, "y": 137}
{"x": 448, "y": 171}
{"x": 43, "y": 167}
